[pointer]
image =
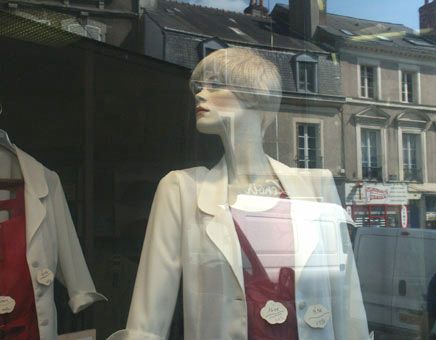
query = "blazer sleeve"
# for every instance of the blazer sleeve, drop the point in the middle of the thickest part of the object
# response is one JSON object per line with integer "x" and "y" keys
{"x": 72, "y": 270}
{"x": 158, "y": 278}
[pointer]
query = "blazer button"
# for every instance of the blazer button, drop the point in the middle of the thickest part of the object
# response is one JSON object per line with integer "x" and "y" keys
{"x": 302, "y": 305}
{"x": 35, "y": 264}
{"x": 44, "y": 323}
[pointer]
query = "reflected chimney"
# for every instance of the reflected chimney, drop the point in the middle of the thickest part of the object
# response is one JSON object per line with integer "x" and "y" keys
{"x": 306, "y": 15}
{"x": 427, "y": 17}
{"x": 256, "y": 8}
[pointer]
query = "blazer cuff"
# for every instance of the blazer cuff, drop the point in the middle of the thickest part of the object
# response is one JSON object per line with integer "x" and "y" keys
{"x": 82, "y": 300}
{"x": 127, "y": 334}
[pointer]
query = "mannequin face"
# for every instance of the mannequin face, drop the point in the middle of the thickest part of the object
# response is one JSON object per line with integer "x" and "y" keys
{"x": 217, "y": 109}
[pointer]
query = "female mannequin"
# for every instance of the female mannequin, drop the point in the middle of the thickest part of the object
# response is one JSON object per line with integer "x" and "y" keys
{"x": 192, "y": 226}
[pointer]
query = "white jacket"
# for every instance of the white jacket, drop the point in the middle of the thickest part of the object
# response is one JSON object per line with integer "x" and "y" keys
{"x": 191, "y": 231}
{"x": 52, "y": 244}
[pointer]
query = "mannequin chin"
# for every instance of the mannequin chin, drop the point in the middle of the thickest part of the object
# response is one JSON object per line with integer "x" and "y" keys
{"x": 214, "y": 122}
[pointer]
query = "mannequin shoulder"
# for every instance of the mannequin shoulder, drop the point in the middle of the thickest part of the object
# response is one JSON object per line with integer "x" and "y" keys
{"x": 184, "y": 177}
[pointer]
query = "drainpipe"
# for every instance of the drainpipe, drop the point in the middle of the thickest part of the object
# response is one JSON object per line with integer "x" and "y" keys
{"x": 341, "y": 113}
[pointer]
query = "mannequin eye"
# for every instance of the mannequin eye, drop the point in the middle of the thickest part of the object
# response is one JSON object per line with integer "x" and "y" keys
{"x": 196, "y": 87}
{"x": 214, "y": 85}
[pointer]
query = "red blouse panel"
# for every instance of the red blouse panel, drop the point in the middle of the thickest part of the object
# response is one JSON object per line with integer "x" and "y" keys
{"x": 22, "y": 322}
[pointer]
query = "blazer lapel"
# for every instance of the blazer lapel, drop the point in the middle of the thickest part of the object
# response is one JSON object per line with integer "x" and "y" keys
{"x": 212, "y": 200}
{"x": 221, "y": 231}
{"x": 35, "y": 189}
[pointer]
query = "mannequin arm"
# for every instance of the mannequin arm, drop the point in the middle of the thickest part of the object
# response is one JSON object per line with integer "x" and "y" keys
{"x": 72, "y": 270}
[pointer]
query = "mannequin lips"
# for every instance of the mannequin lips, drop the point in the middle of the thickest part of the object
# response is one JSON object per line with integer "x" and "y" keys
{"x": 199, "y": 111}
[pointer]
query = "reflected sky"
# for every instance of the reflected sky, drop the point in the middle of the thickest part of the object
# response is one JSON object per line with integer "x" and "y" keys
{"x": 406, "y": 12}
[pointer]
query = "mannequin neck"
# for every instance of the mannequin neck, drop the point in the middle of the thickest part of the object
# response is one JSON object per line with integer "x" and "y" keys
{"x": 246, "y": 160}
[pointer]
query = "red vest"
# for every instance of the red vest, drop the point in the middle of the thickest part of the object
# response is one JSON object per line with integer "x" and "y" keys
{"x": 260, "y": 287}
{"x": 15, "y": 281}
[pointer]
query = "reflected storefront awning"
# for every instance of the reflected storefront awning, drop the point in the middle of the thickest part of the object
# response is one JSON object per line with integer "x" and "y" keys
{"x": 422, "y": 188}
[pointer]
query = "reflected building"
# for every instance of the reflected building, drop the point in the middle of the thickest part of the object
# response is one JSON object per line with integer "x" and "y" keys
{"x": 307, "y": 132}
{"x": 114, "y": 22}
{"x": 357, "y": 96}
{"x": 388, "y": 77}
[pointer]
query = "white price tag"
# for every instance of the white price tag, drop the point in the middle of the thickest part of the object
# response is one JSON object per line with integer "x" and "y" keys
{"x": 45, "y": 277}
{"x": 317, "y": 316}
{"x": 274, "y": 312}
{"x": 7, "y": 304}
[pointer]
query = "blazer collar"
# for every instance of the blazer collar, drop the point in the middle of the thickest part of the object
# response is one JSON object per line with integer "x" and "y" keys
{"x": 213, "y": 196}
{"x": 33, "y": 174}
{"x": 36, "y": 188}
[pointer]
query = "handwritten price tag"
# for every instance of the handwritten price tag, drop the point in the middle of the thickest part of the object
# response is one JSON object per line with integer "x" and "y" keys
{"x": 317, "y": 316}
{"x": 45, "y": 277}
{"x": 7, "y": 304}
{"x": 274, "y": 312}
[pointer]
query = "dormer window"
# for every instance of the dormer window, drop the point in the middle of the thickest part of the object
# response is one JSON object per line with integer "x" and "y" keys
{"x": 208, "y": 46}
{"x": 88, "y": 28}
{"x": 306, "y": 73}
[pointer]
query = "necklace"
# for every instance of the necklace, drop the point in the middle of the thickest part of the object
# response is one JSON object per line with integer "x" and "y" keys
{"x": 269, "y": 188}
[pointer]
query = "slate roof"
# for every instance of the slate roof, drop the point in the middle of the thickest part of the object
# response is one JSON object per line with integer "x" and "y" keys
{"x": 377, "y": 33}
{"x": 227, "y": 25}
{"x": 370, "y": 33}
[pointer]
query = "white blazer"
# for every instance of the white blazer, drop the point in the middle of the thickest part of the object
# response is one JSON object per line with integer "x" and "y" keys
{"x": 191, "y": 232}
{"x": 52, "y": 245}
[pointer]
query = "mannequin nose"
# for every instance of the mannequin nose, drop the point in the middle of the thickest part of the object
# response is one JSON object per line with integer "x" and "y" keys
{"x": 199, "y": 97}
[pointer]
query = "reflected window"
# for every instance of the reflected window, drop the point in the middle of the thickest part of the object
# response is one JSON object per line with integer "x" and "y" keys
{"x": 88, "y": 31}
{"x": 370, "y": 146}
{"x": 209, "y": 46}
{"x": 306, "y": 73}
{"x": 367, "y": 81}
{"x": 308, "y": 146}
{"x": 306, "y": 77}
{"x": 411, "y": 152}
{"x": 407, "y": 86}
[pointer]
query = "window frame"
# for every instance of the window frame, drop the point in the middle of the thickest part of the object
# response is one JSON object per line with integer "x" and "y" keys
{"x": 365, "y": 86}
{"x": 422, "y": 152}
{"x": 377, "y": 77}
{"x": 414, "y": 71}
{"x": 378, "y": 147}
{"x": 308, "y": 59}
{"x": 320, "y": 161}
{"x": 418, "y": 153}
{"x": 382, "y": 159}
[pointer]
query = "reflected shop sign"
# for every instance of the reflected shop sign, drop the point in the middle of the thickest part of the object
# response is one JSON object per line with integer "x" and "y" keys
{"x": 376, "y": 193}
